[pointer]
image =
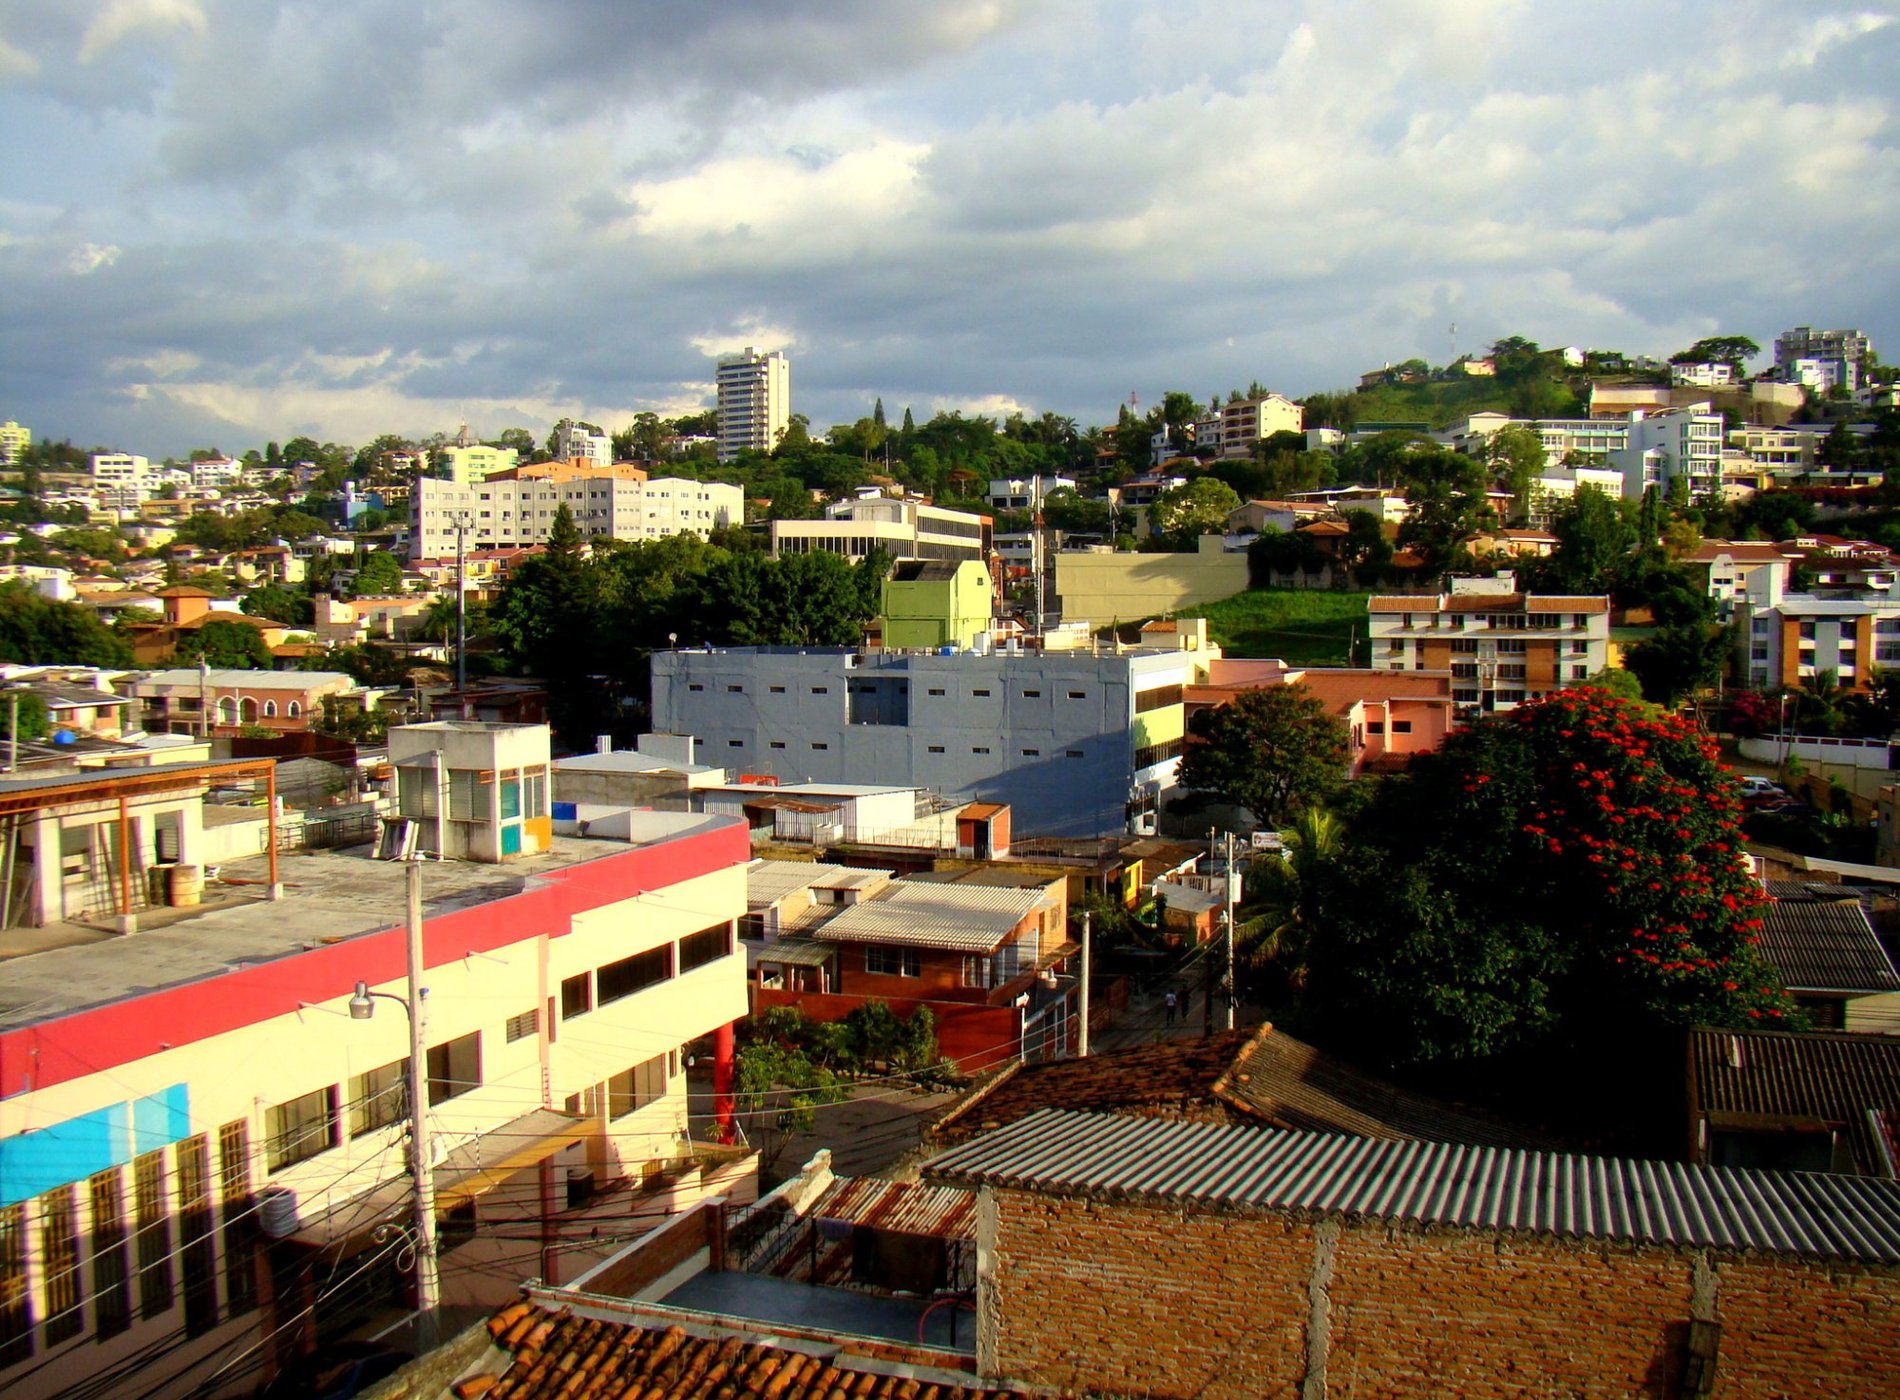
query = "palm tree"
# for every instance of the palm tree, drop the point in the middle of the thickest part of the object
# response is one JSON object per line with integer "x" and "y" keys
{"x": 1276, "y": 932}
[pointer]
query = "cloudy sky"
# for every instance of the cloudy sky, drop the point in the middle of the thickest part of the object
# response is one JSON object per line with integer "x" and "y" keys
{"x": 226, "y": 221}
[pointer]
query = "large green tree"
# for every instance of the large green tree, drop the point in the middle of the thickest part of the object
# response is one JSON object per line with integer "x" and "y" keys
{"x": 1565, "y": 873}
{"x": 44, "y": 631}
{"x": 1199, "y": 507}
{"x": 1273, "y": 751}
{"x": 229, "y": 645}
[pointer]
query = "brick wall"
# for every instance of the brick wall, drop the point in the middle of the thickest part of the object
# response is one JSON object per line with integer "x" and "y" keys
{"x": 1117, "y": 1298}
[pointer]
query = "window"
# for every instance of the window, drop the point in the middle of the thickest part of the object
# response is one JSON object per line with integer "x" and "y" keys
{"x": 295, "y": 710}
{"x": 154, "y": 1235}
{"x": 708, "y": 945}
{"x": 936, "y": 690}
{"x": 1807, "y": 631}
{"x": 936, "y": 748}
{"x": 463, "y": 783}
{"x": 1032, "y": 753}
{"x": 194, "y": 1224}
{"x": 1032, "y": 695}
{"x": 1157, "y": 753}
{"x": 59, "y": 1266}
{"x": 735, "y": 690}
{"x": 635, "y": 1088}
{"x": 1511, "y": 672}
{"x": 735, "y": 743}
{"x": 1401, "y": 726}
{"x": 634, "y": 974}
{"x": 270, "y": 709}
{"x": 455, "y": 1067}
{"x": 1464, "y": 697}
{"x": 816, "y": 744}
{"x": 1072, "y": 753}
{"x": 240, "y": 1228}
{"x": 16, "y": 1307}
{"x": 1375, "y": 726}
{"x": 1397, "y": 648}
{"x": 1078, "y": 695}
{"x": 893, "y": 962}
{"x": 299, "y": 1129}
{"x": 111, "y": 1282}
{"x": 577, "y": 995}
{"x": 778, "y": 743}
{"x": 376, "y": 1098}
{"x": 694, "y": 685}
{"x": 1579, "y": 648}
{"x": 981, "y": 694}
{"x": 1157, "y": 699}
{"x": 1758, "y": 624}
{"x": 1464, "y": 646}
{"x": 1513, "y": 646}
{"x": 821, "y": 690}
{"x": 526, "y": 1024}
{"x": 777, "y": 689}
{"x": 1579, "y": 673}
{"x": 976, "y": 971}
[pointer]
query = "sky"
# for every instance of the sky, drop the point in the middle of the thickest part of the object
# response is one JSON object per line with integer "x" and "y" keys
{"x": 224, "y": 222}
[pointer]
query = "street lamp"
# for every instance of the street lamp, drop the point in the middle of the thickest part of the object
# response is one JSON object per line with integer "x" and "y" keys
{"x": 362, "y": 1007}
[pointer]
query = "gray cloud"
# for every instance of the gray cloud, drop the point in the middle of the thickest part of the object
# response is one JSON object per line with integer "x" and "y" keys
{"x": 363, "y": 216}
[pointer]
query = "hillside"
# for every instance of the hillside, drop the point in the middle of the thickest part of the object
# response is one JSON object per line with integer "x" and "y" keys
{"x": 1301, "y": 627}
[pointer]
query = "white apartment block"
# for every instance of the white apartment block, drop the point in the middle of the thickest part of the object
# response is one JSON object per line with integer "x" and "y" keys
{"x": 1702, "y": 376}
{"x": 1780, "y": 450}
{"x": 120, "y": 469}
{"x": 1675, "y": 443}
{"x": 573, "y": 443}
{"x": 515, "y": 514}
{"x": 477, "y": 462}
{"x": 1821, "y": 376}
{"x": 906, "y": 529}
{"x": 755, "y": 401}
{"x": 216, "y": 472}
{"x": 1025, "y": 493}
{"x": 1247, "y": 421}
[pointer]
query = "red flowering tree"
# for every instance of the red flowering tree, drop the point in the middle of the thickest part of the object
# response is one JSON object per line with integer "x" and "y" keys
{"x": 1568, "y": 873}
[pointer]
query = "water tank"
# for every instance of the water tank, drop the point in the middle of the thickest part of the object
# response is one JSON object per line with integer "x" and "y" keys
{"x": 277, "y": 1212}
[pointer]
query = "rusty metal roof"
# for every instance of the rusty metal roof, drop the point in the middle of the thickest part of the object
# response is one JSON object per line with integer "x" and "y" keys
{"x": 1433, "y": 1183}
{"x": 903, "y": 1208}
{"x": 1805, "y": 1077}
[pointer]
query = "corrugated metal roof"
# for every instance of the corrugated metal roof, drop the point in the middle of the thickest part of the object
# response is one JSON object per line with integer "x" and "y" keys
{"x": 907, "y": 1208}
{"x": 1434, "y": 1183}
{"x": 796, "y": 954}
{"x": 769, "y": 881}
{"x": 1825, "y": 945}
{"x": 959, "y": 918}
{"x": 1813, "y": 1077}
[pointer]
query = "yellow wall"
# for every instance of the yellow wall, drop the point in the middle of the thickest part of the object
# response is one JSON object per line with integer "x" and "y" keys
{"x": 1101, "y": 589}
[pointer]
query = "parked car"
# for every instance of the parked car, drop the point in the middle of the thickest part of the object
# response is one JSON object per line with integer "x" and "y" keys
{"x": 1758, "y": 791}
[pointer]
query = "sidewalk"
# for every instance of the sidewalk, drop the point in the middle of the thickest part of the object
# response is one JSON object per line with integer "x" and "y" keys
{"x": 1145, "y": 1021}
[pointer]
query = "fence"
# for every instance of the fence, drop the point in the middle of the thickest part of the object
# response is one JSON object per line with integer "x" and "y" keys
{"x": 1819, "y": 748}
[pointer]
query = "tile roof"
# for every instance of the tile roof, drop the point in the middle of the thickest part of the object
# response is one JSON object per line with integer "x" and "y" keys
{"x": 959, "y": 918}
{"x": 1431, "y": 1183}
{"x": 1261, "y": 1076}
{"x": 1826, "y": 945}
{"x": 560, "y": 1354}
{"x": 1766, "y": 1078}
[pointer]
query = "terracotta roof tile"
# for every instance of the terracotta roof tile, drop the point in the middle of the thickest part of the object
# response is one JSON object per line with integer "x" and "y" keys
{"x": 559, "y": 1354}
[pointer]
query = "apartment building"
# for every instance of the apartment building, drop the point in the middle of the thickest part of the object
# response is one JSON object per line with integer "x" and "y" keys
{"x": 1077, "y": 743}
{"x": 576, "y": 443}
{"x": 1741, "y": 572}
{"x": 1794, "y": 640}
{"x": 1025, "y": 492}
{"x": 755, "y": 401}
{"x": 1502, "y": 647}
{"x": 475, "y": 462}
{"x": 505, "y": 513}
{"x": 120, "y": 469}
{"x": 1246, "y": 421}
{"x": 1806, "y": 343}
{"x": 14, "y": 439}
{"x": 1670, "y": 445}
{"x": 201, "y": 1145}
{"x": 906, "y": 528}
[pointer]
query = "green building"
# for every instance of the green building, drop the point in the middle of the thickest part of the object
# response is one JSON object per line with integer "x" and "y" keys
{"x": 936, "y": 603}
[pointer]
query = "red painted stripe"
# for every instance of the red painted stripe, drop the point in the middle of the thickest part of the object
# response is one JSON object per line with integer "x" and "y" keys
{"x": 103, "y": 1037}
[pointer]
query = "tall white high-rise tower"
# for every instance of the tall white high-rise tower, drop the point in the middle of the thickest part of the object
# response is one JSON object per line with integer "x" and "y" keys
{"x": 755, "y": 401}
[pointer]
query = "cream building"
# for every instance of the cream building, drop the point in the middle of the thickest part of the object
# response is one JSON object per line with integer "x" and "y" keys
{"x": 755, "y": 401}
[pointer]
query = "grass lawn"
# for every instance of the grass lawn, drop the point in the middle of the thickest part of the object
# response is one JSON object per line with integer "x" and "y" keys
{"x": 1301, "y": 627}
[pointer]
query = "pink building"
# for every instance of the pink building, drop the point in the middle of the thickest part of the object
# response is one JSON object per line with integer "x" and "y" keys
{"x": 1389, "y": 715}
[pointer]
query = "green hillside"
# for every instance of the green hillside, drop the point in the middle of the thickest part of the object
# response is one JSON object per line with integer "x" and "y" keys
{"x": 1302, "y": 627}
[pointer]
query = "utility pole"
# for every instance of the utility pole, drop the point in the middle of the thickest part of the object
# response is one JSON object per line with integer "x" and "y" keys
{"x": 1082, "y": 1031}
{"x": 1227, "y": 1005}
{"x": 13, "y": 732}
{"x": 461, "y": 606}
{"x": 204, "y": 698}
{"x": 428, "y": 1283}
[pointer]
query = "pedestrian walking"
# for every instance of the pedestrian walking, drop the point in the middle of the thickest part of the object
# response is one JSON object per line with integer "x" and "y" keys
{"x": 1168, "y": 1002}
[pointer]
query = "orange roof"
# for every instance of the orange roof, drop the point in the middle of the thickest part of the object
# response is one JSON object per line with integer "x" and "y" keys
{"x": 1555, "y": 602}
{"x": 1341, "y": 689}
{"x": 184, "y": 590}
{"x": 1744, "y": 552}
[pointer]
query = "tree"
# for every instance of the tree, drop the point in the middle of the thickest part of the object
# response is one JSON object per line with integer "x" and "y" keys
{"x": 1731, "y": 350}
{"x": 290, "y": 606}
{"x": 41, "y": 631}
{"x": 1200, "y": 507}
{"x": 23, "y": 714}
{"x": 1593, "y": 538}
{"x": 1515, "y": 456}
{"x": 1273, "y": 751}
{"x": 379, "y": 575}
{"x": 235, "y": 646}
{"x": 1447, "y": 492}
{"x": 1275, "y": 929}
{"x": 1574, "y": 865}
